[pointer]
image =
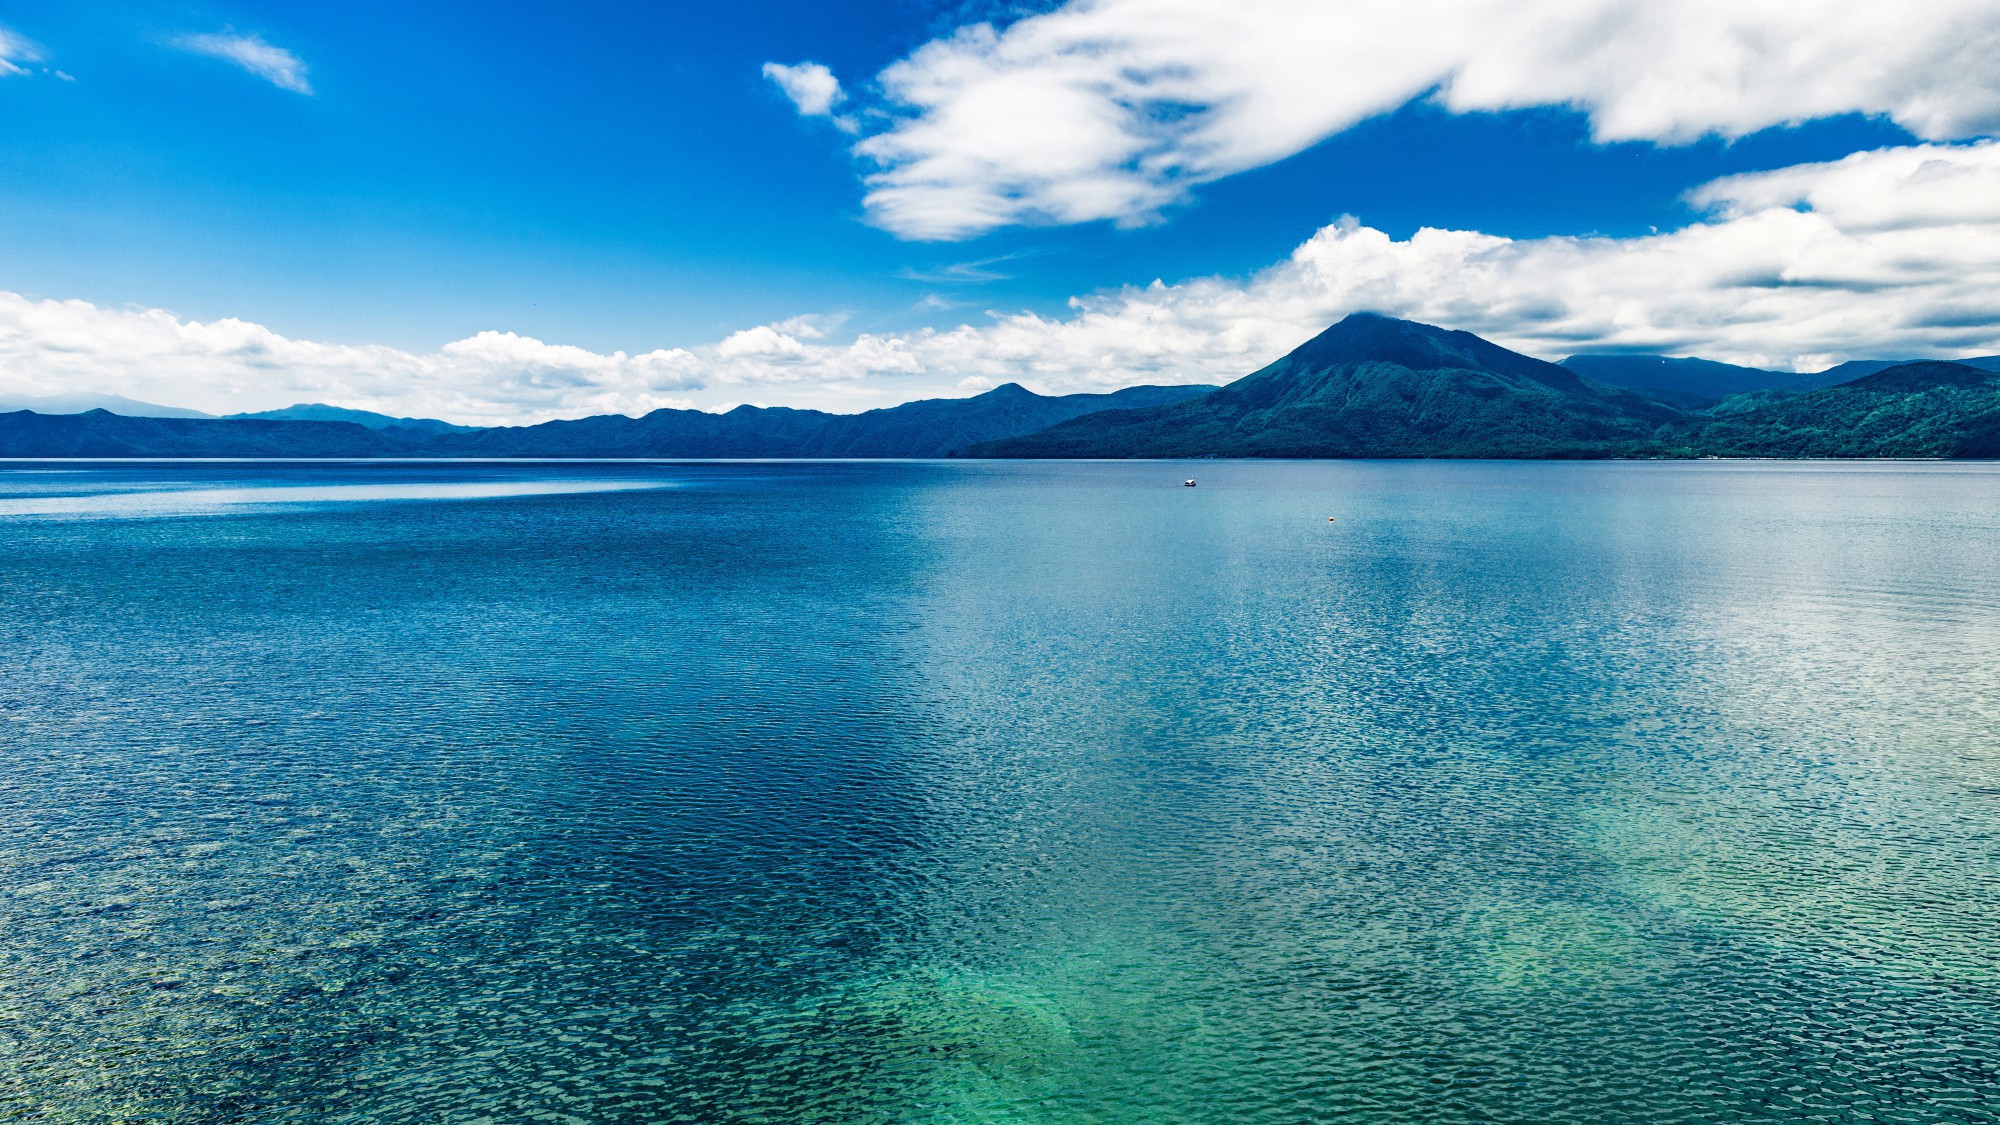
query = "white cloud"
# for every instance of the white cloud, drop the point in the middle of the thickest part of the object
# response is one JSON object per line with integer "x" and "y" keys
{"x": 1112, "y": 109}
{"x": 275, "y": 65}
{"x": 231, "y": 365}
{"x": 15, "y": 50}
{"x": 812, "y": 88}
{"x": 763, "y": 341}
{"x": 1894, "y": 253}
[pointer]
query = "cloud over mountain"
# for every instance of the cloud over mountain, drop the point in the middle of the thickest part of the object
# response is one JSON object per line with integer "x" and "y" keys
{"x": 1113, "y": 109}
{"x": 1889, "y": 253}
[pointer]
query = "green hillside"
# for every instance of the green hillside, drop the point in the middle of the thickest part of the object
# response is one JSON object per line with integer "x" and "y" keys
{"x": 1928, "y": 409}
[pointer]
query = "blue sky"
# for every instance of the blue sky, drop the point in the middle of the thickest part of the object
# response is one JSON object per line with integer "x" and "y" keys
{"x": 625, "y": 178}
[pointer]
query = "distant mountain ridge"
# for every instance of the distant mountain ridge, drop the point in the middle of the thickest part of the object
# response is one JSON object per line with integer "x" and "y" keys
{"x": 935, "y": 427}
{"x": 1695, "y": 383}
{"x": 100, "y": 433}
{"x": 321, "y": 412}
{"x": 1687, "y": 383}
{"x": 1859, "y": 368}
{"x": 1373, "y": 386}
{"x": 925, "y": 428}
{"x": 83, "y": 403}
{"x": 1369, "y": 386}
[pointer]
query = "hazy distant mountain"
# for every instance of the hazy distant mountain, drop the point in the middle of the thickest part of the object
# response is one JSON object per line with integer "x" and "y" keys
{"x": 1924, "y": 409}
{"x": 1697, "y": 383}
{"x": 79, "y": 403}
{"x": 1372, "y": 386}
{"x": 1690, "y": 383}
{"x": 320, "y": 412}
{"x": 100, "y": 433}
{"x": 925, "y": 428}
{"x": 1856, "y": 368}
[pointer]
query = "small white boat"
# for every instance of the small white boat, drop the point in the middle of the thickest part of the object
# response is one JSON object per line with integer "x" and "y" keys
{"x": 1188, "y": 483}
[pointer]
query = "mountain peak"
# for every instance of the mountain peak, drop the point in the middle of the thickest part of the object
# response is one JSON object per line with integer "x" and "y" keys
{"x": 1365, "y": 337}
{"x": 1007, "y": 390}
{"x": 1372, "y": 386}
{"x": 323, "y": 412}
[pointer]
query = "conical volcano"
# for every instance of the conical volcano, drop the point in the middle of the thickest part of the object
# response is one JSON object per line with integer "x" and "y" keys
{"x": 1373, "y": 386}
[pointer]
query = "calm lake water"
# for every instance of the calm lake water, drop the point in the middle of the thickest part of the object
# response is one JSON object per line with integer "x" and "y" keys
{"x": 966, "y": 792}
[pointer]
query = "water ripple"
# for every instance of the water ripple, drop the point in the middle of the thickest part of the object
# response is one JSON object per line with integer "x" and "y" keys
{"x": 1037, "y": 792}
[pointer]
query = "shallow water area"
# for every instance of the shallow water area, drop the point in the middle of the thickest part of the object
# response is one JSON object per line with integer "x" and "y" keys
{"x": 965, "y": 791}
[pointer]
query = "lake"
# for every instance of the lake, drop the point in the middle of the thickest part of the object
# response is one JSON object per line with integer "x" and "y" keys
{"x": 980, "y": 792}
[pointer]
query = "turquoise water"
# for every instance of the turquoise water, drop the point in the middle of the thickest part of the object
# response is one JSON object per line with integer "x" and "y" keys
{"x": 969, "y": 792}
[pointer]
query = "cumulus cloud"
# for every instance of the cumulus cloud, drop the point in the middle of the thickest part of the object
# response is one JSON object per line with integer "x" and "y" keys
{"x": 15, "y": 50}
{"x": 230, "y": 365}
{"x": 812, "y": 88}
{"x": 275, "y": 65}
{"x": 1113, "y": 109}
{"x": 783, "y": 341}
{"x": 764, "y": 341}
{"x": 1892, "y": 254}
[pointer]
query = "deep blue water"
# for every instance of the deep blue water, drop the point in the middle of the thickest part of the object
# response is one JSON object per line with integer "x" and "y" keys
{"x": 972, "y": 792}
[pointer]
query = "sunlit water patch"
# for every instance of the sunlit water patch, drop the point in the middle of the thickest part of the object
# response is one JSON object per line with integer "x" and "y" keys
{"x": 197, "y": 501}
{"x": 1002, "y": 793}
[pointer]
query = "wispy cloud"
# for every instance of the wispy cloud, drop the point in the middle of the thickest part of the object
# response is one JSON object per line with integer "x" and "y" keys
{"x": 274, "y": 64}
{"x": 812, "y": 88}
{"x": 962, "y": 273}
{"x": 16, "y": 49}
